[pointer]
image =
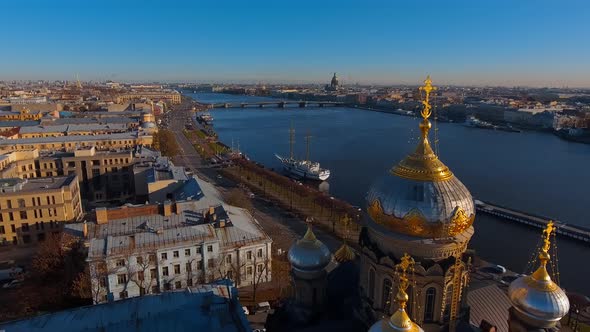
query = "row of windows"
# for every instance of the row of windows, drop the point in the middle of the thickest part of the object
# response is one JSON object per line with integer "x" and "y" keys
{"x": 187, "y": 252}
{"x": 23, "y": 215}
{"x": 35, "y": 201}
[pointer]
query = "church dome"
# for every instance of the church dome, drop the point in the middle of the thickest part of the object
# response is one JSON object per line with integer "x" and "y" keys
{"x": 537, "y": 297}
{"x": 309, "y": 254}
{"x": 420, "y": 196}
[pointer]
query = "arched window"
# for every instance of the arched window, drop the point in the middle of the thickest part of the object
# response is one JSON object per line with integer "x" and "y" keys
{"x": 429, "y": 305}
{"x": 386, "y": 296}
{"x": 371, "y": 286}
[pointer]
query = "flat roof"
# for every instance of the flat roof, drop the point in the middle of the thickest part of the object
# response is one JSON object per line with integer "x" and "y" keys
{"x": 33, "y": 184}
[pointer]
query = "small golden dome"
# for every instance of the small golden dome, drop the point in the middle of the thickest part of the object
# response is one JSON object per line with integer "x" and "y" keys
{"x": 344, "y": 254}
{"x": 399, "y": 321}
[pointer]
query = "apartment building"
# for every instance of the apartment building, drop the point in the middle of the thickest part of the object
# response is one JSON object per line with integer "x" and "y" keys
{"x": 137, "y": 250}
{"x": 32, "y": 208}
{"x": 124, "y": 140}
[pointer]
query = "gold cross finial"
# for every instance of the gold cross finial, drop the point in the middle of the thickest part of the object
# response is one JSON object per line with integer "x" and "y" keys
{"x": 427, "y": 88}
{"x": 402, "y": 269}
{"x": 546, "y": 235}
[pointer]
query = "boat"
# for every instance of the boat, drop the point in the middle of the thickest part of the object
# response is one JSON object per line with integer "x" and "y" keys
{"x": 205, "y": 118}
{"x": 302, "y": 169}
{"x": 477, "y": 123}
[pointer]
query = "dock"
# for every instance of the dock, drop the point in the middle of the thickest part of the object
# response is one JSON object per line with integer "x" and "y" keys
{"x": 571, "y": 231}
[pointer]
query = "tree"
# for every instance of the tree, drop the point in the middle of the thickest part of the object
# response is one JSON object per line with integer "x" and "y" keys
{"x": 260, "y": 274}
{"x": 237, "y": 197}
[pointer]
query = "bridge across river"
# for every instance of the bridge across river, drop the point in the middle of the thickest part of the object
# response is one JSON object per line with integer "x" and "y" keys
{"x": 572, "y": 231}
{"x": 279, "y": 104}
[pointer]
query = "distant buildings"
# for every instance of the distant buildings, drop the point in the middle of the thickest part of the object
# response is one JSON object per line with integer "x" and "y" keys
{"x": 334, "y": 84}
{"x": 173, "y": 97}
{"x": 32, "y": 208}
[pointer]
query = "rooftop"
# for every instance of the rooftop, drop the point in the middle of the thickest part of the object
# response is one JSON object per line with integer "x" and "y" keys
{"x": 75, "y": 138}
{"x": 202, "y": 308}
{"x": 17, "y": 184}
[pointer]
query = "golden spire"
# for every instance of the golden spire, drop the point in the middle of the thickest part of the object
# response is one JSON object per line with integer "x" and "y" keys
{"x": 309, "y": 235}
{"x": 400, "y": 319}
{"x": 423, "y": 164}
{"x": 541, "y": 275}
{"x": 344, "y": 253}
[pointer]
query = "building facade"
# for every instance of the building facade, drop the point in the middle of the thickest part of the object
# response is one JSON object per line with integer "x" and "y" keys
{"x": 32, "y": 208}
{"x": 148, "y": 249}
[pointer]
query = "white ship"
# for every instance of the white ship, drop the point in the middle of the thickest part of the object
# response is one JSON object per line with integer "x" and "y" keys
{"x": 303, "y": 169}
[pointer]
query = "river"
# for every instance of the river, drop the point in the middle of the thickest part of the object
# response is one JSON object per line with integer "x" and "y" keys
{"x": 530, "y": 171}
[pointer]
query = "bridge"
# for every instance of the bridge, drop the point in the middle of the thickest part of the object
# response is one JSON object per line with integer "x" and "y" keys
{"x": 279, "y": 104}
{"x": 572, "y": 231}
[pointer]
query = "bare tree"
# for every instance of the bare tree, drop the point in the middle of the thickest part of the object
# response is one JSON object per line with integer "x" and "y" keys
{"x": 260, "y": 274}
{"x": 138, "y": 273}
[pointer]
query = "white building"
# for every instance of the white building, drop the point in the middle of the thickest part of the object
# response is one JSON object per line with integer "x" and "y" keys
{"x": 145, "y": 249}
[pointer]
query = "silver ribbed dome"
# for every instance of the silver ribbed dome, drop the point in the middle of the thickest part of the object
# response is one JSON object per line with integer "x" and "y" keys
{"x": 540, "y": 300}
{"x": 437, "y": 201}
{"x": 309, "y": 254}
{"x": 147, "y": 125}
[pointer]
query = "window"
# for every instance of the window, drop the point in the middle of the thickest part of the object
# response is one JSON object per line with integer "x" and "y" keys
{"x": 199, "y": 250}
{"x": 177, "y": 269}
{"x": 9, "y": 202}
{"x": 228, "y": 259}
{"x": 187, "y": 252}
{"x": 386, "y": 296}
{"x": 189, "y": 282}
{"x": 178, "y": 285}
{"x": 21, "y": 203}
{"x": 141, "y": 291}
{"x": 2, "y": 230}
{"x": 164, "y": 256}
{"x": 24, "y": 227}
{"x": 153, "y": 273}
{"x": 429, "y": 307}
{"x": 175, "y": 254}
{"x": 102, "y": 282}
{"x": 123, "y": 295}
{"x": 23, "y": 214}
{"x": 259, "y": 253}
{"x": 249, "y": 255}
{"x": 199, "y": 265}
{"x": 188, "y": 267}
{"x": 230, "y": 274}
{"x": 154, "y": 289}
{"x": 13, "y": 228}
{"x": 140, "y": 275}
{"x": 209, "y": 248}
{"x": 139, "y": 260}
{"x": 371, "y": 286}
{"x": 260, "y": 268}
{"x": 210, "y": 263}
{"x": 120, "y": 262}
{"x": 165, "y": 271}
{"x": 152, "y": 258}
{"x": 121, "y": 279}
{"x": 249, "y": 271}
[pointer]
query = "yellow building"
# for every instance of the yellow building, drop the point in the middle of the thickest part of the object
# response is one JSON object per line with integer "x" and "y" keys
{"x": 32, "y": 208}
{"x": 23, "y": 114}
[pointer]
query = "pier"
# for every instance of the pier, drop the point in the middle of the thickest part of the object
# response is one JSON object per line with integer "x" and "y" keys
{"x": 279, "y": 104}
{"x": 571, "y": 231}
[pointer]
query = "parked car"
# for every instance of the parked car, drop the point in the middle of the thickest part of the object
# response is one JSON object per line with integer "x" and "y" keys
{"x": 12, "y": 284}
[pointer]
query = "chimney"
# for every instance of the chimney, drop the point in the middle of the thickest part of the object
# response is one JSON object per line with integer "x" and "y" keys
{"x": 221, "y": 223}
{"x": 211, "y": 210}
{"x": 167, "y": 208}
{"x": 102, "y": 215}
{"x": 85, "y": 230}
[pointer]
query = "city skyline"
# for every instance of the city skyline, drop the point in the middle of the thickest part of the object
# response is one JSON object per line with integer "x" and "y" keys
{"x": 533, "y": 44}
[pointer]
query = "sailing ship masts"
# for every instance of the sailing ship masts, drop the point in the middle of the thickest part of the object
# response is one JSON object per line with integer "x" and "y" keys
{"x": 307, "y": 138}
{"x": 291, "y": 140}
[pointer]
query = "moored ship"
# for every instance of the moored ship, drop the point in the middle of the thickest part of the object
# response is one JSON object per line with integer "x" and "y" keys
{"x": 302, "y": 169}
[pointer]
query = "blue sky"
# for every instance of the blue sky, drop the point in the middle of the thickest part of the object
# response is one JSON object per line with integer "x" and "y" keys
{"x": 501, "y": 42}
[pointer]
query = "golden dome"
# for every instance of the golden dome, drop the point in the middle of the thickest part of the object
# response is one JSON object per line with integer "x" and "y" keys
{"x": 344, "y": 254}
{"x": 536, "y": 297}
{"x": 399, "y": 321}
{"x": 420, "y": 196}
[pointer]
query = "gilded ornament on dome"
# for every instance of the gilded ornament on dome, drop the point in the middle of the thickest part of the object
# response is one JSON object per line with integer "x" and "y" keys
{"x": 415, "y": 223}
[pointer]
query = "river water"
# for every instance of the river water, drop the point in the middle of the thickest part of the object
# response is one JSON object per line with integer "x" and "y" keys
{"x": 530, "y": 171}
